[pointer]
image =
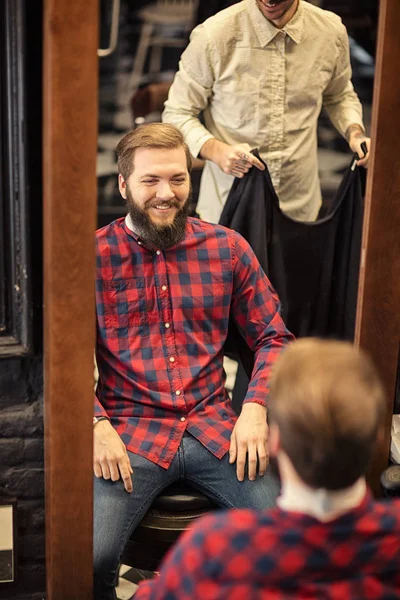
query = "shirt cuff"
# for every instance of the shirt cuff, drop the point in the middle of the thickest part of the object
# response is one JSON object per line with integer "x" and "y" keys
{"x": 196, "y": 140}
{"x": 352, "y": 118}
{"x": 99, "y": 410}
{"x": 255, "y": 401}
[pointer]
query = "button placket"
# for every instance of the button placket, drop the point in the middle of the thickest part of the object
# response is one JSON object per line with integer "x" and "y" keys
{"x": 277, "y": 103}
{"x": 168, "y": 336}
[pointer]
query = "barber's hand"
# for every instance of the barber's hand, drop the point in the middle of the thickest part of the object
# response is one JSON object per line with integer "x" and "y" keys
{"x": 234, "y": 160}
{"x": 237, "y": 160}
{"x": 355, "y": 140}
{"x": 249, "y": 437}
{"x": 110, "y": 458}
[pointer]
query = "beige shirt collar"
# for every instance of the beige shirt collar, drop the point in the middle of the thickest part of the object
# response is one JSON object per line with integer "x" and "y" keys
{"x": 266, "y": 31}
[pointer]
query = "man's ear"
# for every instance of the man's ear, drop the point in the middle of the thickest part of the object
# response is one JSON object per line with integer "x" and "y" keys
{"x": 122, "y": 186}
{"x": 274, "y": 439}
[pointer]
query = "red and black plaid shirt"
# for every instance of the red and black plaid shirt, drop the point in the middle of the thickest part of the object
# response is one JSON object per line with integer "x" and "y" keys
{"x": 162, "y": 320}
{"x": 281, "y": 555}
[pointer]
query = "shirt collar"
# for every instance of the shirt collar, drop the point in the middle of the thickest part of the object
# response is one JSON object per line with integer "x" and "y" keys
{"x": 130, "y": 229}
{"x": 321, "y": 504}
{"x": 129, "y": 224}
{"x": 266, "y": 31}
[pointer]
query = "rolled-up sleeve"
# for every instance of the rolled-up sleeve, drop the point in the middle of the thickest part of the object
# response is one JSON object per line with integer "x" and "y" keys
{"x": 340, "y": 100}
{"x": 191, "y": 90}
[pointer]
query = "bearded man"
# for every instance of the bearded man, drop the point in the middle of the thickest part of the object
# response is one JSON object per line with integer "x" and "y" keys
{"x": 166, "y": 287}
{"x": 259, "y": 72}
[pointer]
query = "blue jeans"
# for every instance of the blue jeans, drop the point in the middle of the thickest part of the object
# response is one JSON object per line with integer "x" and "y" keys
{"x": 117, "y": 513}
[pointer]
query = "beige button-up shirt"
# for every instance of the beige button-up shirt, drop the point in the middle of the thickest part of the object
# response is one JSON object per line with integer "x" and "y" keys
{"x": 265, "y": 86}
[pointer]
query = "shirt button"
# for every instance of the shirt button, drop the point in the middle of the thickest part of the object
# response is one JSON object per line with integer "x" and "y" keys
{"x": 178, "y": 392}
{"x": 158, "y": 252}
{"x": 139, "y": 242}
{"x": 171, "y": 359}
{"x": 164, "y": 287}
{"x": 183, "y": 419}
{"x": 167, "y": 325}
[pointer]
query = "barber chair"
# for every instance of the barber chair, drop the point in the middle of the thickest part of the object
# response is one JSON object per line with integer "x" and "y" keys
{"x": 170, "y": 514}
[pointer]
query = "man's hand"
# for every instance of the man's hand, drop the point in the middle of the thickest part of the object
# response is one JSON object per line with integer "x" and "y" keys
{"x": 234, "y": 160}
{"x": 110, "y": 458}
{"x": 249, "y": 436}
{"x": 356, "y": 137}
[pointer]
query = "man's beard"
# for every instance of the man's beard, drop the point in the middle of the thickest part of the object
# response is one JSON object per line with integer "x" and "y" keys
{"x": 158, "y": 236}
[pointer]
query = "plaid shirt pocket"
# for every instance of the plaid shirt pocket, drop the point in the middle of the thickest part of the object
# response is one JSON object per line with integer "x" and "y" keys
{"x": 125, "y": 304}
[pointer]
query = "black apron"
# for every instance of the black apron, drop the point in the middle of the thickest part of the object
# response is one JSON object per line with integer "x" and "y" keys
{"x": 313, "y": 266}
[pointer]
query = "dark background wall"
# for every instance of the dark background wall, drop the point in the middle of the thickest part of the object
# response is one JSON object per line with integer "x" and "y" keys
{"x": 21, "y": 379}
{"x": 21, "y": 471}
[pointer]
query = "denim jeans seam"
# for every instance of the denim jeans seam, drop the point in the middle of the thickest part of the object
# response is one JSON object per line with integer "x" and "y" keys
{"x": 202, "y": 486}
{"x": 125, "y": 535}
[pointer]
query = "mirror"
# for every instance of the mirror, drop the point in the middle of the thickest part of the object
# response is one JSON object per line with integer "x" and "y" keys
{"x": 136, "y": 78}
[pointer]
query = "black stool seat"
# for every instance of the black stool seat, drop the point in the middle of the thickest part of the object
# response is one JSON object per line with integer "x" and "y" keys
{"x": 178, "y": 497}
{"x": 170, "y": 514}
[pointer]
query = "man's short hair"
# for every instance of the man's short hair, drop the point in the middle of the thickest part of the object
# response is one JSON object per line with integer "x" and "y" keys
{"x": 152, "y": 135}
{"x": 328, "y": 403}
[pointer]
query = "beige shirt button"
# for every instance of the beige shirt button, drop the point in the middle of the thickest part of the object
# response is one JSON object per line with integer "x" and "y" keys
{"x": 171, "y": 359}
{"x": 164, "y": 287}
{"x": 158, "y": 252}
{"x": 183, "y": 419}
{"x": 167, "y": 325}
{"x": 178, "y": 392}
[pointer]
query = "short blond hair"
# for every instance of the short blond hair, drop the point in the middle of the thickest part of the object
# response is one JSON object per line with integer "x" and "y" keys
{"x": 328, "y": 403}
{"x": 152, "y": 135}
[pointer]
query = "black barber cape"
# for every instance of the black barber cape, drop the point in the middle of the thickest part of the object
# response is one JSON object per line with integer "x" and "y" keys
{"x": 313, "y": 266}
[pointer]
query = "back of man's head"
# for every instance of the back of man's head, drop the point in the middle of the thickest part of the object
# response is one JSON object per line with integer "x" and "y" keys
{"x": 328, "y": 404}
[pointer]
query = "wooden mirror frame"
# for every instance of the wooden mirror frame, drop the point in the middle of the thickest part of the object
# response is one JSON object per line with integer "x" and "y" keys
{"x": 70, "y": 142}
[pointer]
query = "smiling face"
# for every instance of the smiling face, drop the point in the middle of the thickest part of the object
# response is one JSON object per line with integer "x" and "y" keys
{"x": 279, "y": 12}
{"x": 157, "y": 194}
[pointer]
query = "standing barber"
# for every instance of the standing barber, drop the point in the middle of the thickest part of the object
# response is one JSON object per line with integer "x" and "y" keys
{"x": 260, "y": 72}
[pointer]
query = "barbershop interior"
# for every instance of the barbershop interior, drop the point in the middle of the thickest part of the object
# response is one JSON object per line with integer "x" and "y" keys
{"x": 199, "y": 300}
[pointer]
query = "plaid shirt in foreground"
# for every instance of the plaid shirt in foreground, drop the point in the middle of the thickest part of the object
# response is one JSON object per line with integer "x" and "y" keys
{"x": 162, "y": 320}
{"x": 281, "y": 555}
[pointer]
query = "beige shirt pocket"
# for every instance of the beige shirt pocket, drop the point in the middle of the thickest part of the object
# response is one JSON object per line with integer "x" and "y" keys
{"x": 236, "y": 105}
